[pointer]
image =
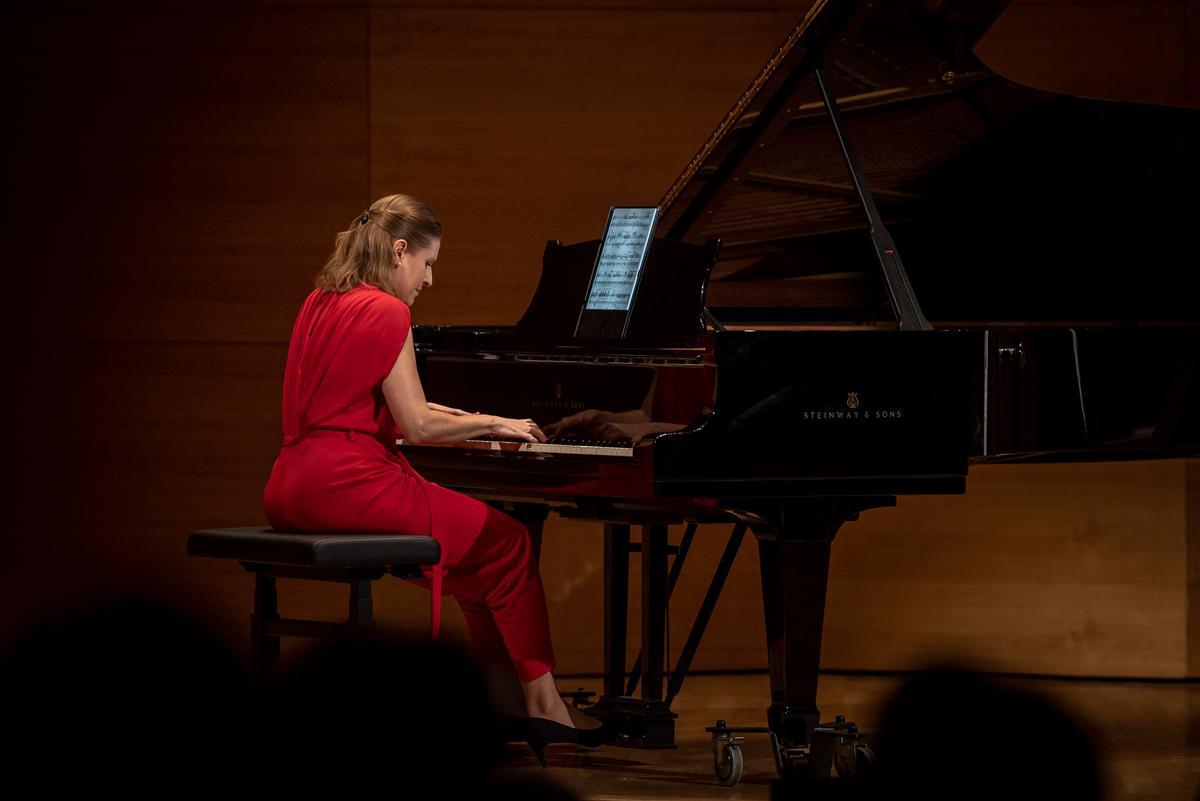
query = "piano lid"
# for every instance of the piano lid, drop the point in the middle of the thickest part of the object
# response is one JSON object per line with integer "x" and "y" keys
{"x": 1006, "y": 203}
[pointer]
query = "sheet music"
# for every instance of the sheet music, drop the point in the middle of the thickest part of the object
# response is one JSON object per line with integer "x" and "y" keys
{"x": 622, "y": 254}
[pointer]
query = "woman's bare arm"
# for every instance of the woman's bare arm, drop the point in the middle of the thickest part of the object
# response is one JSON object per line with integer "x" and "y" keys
{"x": 406, "y": 400}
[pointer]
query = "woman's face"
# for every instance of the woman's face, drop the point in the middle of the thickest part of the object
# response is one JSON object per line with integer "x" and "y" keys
{"x": 414, "y": 268}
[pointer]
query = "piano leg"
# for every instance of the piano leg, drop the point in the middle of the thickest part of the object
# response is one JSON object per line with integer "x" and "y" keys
{"x": 654, "y": 607}
{"x": 794, "y": 578}
{"x": 533, "y": 517}
{"x": 616, "y": 606}
{"x": 794, "y": 542}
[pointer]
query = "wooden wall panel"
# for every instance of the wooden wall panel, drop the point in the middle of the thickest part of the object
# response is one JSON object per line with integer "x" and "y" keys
{"x": 523, "y": 126}
{"x": 1141, "y": 51}
{"x": 1058, "y": 569}
{"x": 189, "y": 166}
{"x": 178, "y": 173}
{"x": 158, "y": 439}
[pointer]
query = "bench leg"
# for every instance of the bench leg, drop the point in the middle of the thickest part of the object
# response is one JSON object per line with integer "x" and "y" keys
{"x": 360, "y": 601}
{"x": 264, "y": 648}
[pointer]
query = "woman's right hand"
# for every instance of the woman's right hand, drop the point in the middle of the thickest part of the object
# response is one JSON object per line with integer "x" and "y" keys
{"x": 510, "y": 428}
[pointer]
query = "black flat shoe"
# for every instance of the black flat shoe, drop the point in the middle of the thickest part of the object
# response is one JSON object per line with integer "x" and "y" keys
{"x": 542, "y": 732}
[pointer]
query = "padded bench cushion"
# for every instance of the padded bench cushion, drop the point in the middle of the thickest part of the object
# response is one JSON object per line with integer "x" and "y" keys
{"x": 271, "y": 547}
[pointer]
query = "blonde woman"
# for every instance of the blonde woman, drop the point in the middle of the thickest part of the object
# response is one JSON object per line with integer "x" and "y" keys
{"x": 350, "y": 388}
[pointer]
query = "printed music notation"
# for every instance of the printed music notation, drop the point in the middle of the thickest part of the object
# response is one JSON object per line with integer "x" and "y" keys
{"x": 622, "y": 255}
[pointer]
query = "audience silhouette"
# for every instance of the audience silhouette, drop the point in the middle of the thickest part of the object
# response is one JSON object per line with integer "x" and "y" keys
{"x": 136, "y": 697}
{"x": 952, "y": 733}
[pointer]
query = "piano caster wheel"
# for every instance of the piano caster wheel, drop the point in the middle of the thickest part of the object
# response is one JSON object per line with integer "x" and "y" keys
{"x": 727, "y": 755}
{"x": 727, "y": 763}
{"x": 853, "y": 760}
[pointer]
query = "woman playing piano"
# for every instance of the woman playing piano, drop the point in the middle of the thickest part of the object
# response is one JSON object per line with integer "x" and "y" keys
{"x": 350, "y": 388}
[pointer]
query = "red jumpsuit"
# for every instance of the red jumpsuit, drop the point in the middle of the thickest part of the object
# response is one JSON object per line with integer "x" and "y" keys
{"x": 339, "y": 471}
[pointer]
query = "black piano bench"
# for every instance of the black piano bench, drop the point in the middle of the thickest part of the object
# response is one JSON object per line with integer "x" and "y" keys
{"x": 355, "y": 559}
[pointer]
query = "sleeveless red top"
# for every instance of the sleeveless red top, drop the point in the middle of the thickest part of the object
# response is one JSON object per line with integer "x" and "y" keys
{"x": 338, "y": 469}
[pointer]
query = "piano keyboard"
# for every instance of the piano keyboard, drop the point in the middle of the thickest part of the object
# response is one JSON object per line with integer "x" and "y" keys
{"x": 579, "y": 447}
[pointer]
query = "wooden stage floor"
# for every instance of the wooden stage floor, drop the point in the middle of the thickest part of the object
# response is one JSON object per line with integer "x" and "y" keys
{"x": 1140, "y": 728}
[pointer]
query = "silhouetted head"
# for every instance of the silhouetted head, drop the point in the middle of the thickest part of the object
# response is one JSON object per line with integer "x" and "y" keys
{"x": 950, "y": 733}
{"x": 130, "y": 696}
{"x": 385, "y": 715}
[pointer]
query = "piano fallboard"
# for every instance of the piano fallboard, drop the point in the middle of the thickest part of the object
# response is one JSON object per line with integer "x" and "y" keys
{"x": 756, "y": 414}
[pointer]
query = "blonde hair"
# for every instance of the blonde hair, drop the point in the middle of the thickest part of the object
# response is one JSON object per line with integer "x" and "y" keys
{"x": 362, "y": 254}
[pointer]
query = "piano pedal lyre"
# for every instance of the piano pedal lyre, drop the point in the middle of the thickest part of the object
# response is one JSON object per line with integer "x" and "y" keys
{"x": 579, "y": 698}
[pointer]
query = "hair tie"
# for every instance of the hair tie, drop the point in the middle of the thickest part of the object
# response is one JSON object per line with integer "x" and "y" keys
{"x": 363, "y": 220}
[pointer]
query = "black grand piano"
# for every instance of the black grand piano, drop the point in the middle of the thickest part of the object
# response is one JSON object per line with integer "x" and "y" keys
{"x": 785, "y": 369}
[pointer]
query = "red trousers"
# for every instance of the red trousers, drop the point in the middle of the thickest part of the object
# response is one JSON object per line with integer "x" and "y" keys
{"x": 341, "y": 481}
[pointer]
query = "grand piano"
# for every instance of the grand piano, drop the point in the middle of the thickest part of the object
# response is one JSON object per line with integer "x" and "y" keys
{"x": 886, "y": 264}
